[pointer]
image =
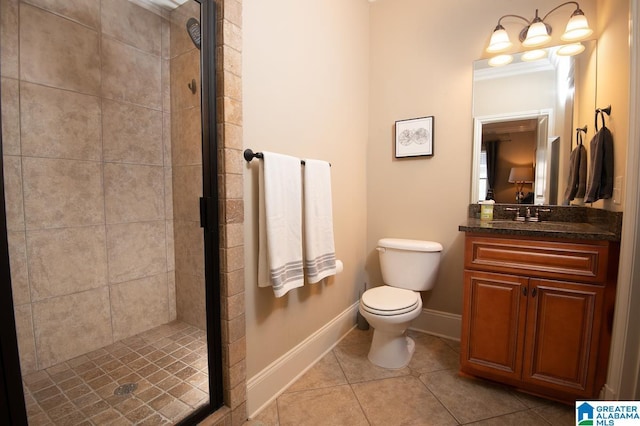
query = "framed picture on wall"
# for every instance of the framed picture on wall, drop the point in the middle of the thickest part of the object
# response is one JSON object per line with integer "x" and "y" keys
{"x": 414, "y": 137}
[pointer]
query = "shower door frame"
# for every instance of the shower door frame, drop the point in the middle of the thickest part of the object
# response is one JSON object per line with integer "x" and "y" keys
{"x": 12, "y": 405}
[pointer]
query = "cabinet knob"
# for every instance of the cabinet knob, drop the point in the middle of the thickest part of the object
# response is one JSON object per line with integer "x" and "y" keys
{"x": 524, "y": 291}
{"x": 534, "y": 292}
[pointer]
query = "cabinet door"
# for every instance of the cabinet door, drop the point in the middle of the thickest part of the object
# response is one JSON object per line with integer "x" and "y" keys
{"x": 563, "y": 324}
{"x": 493, "y": 324}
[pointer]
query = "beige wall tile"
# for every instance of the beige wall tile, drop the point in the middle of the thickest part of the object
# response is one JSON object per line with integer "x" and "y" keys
{"x": 232, "y": 111}
{"x": 171, "y": 292}
{"x": 184, "y": 68}
{"x": 131, "y": 75}
{"x": 136, "y": 250}
{"x": 235, "y": 351}
{"x": 190, "y": 299}
{"x": 165, "y": 45}
{"x": 26, "y": 340}
{"x": 166, "y": 85}
{"x": 18, "y": 265}
{"x": 232, "y": 60}
{"x": 68, "y": 326}
{"x": 131, "y": 134}
{"x": 166, "y": 138}
{"x": 65, "y": 261}
{"x": 235, "y": 328}
{"x": 171, "y": 259}
{"x": 131, "y": 24}
{"x": 232, "y": 161}
{"x": 133, "y": 193}
{"x": 232, "y": 258}
{"x": 86, "y": 12}
{"x": 232, "y": 86}
{"x": 62, "y": 193}
{"x": 232, "y": 307}
{"x": 232, "y": 35}
{"x": 233, "y": 186}
{"x": 237, "y": 374}
{"x": 43, "y": 109}
{"x": 168, "y": 193}
{"x": 189, "y": 247}
{"x": 232, "y": 282}
{"x": 139, "y": 305}
{"x": 233, "y": 235}
{"x": 9, "y": 36}
{"x": 186, "y": 137}
{"x": 69, "y": 50}
{"x": 233, "y": 12}
{"x": 10, "y": 117}
{"x": 13, "y": 192}
{"x": 180, "y": 39}
{"x": 187, "y": 190}
{"x": 233, "y": 211}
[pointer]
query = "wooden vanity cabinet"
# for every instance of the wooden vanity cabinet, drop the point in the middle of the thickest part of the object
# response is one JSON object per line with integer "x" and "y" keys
{"x": 537, "y": 313}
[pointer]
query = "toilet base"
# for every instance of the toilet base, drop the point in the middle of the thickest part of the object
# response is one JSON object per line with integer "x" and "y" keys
{"x": 391, "y": 350}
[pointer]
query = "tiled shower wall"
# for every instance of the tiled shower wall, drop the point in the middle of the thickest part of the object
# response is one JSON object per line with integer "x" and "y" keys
{"x": 86, "y": 144}
{"x": 186, "y": 143}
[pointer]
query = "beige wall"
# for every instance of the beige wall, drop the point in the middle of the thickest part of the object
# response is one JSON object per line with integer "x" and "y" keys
{"x": 421, "y": 55}
{"x": 91, "y": 245}
{"x": 613, "y": 68}
{"x": 305, "y": 84}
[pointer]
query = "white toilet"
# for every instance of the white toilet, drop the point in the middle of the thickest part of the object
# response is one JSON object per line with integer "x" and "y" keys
{"x": 408, "y": 267}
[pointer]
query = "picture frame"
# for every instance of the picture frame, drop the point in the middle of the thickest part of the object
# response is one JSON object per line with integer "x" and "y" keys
{"x": 414, "y": 137}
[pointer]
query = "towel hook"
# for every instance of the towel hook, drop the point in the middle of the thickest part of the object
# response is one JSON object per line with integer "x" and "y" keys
{"x": 600, "y": 112}
{"x": 579, "y": 132}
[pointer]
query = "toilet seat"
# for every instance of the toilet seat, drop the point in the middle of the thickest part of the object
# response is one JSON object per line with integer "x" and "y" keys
{"x": 389, "y": 301}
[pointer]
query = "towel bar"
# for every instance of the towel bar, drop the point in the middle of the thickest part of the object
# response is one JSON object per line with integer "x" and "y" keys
{"x": 250, "y": 155}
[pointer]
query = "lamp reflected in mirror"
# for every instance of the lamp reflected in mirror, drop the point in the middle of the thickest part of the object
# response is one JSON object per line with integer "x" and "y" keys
{"x": 521, "y": 176}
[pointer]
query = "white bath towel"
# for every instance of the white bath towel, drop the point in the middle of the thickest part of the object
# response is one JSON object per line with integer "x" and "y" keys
{"x": 320, "y": 256}
{"x": 280, "y": 234}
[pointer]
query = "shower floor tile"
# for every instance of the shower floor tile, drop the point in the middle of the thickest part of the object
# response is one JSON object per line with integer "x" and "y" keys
{"x": 166, "y": 364}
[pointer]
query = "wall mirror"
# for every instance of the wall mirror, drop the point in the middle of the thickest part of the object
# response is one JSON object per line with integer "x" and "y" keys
{"x": 525, "y": 118}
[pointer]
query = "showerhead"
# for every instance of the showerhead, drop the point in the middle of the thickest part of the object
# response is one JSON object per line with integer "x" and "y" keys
{"x": 193, "y": 28}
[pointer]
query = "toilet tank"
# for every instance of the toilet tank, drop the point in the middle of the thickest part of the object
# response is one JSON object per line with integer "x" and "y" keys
{"x": 409, "y": 264}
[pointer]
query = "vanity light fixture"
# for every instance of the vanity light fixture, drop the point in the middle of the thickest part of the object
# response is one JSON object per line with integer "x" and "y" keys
{"x": 570, "y": 49}
{"x": 537, "y": 32}
{"x": 533, "y": 55}
{"x": 500, "y": 60}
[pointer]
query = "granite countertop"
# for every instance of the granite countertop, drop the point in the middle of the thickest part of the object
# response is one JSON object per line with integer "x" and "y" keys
{"x": 568, "y": 230}
{"x": 567, "y": 222}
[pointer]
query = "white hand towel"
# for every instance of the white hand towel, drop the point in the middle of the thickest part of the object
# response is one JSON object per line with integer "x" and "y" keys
{"x": 320, "y": 256}
{"x": 280, "y": 233}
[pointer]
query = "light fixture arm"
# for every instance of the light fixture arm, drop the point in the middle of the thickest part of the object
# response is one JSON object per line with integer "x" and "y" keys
{"x": 511, "y": 16}
{"x": 577, "y": 11}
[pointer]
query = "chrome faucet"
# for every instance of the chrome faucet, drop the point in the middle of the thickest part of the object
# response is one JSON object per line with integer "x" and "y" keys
{"x": 517, "y": 218}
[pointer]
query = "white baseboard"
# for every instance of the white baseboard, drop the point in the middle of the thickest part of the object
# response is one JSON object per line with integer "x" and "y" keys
{"x": 442, "y": 324}
{"x": 267, "y": 385}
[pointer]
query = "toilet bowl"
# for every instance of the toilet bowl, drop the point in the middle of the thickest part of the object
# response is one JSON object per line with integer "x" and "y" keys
{"x": 408, "y": 267}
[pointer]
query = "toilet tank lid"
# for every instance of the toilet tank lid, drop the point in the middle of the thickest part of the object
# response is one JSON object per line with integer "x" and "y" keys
{"x": 412, "y": 245}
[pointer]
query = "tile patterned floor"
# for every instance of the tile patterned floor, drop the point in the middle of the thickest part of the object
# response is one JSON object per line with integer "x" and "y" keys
{"x": 344, "y": 388}
{"x": 168, "y": 364}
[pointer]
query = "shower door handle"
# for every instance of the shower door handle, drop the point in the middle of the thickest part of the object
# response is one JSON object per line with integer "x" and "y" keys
{"x": 207, "y": 210}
